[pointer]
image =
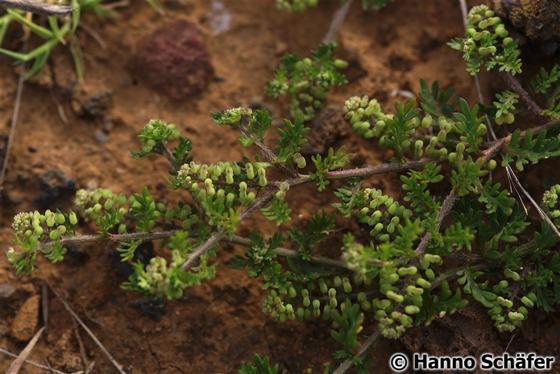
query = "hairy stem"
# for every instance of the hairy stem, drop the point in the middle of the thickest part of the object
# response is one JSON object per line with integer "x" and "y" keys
{"x": 516, "y": 86}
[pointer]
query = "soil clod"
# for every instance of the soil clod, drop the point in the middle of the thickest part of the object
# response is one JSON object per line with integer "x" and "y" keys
{"x": 26, "y": 320}
{"x": 174, "y": 61}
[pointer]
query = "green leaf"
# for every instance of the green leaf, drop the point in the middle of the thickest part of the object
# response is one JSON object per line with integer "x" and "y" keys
{"x": 292, "y": 135}
{"x": 278, "y": 211}
{"x": 259, "y": 365}
{"x": 128, "y": 249}
{"x": 435, "y": 101}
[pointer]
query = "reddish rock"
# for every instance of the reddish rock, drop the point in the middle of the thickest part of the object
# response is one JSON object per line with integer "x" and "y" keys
{"x": 25, "y": 323}
{"x": 174, "y": 61}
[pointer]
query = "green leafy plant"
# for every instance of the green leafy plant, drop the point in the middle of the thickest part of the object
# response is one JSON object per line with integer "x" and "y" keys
{"x": 301, "y": 5}
{"x": 53, "y": 31}
{"x": 259, "y": 365}
{"x": 367, "y": 260}
{"x": 306, "y": 80}
{"x": 547, "y": 84}
{"x": 487, "y": 43}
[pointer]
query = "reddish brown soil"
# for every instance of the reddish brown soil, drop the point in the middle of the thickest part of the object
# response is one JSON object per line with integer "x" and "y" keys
{"x": 218, "y": 325}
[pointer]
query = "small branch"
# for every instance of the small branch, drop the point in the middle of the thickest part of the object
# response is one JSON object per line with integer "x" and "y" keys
{"x": 90, "y": 333}
{"x": 144, "y": 236}
{"x": 265, "y": 150}
{"x": 32, "y": 363}
{"x": 203, "y": 248}
{"x": 377, "y": 169}
{"x": 291, "y": 253}
{"x": 13, "y": 126}
{"x": 363, "y": 349}
{"x": 446, "y": 208}
{"x": 220, "y": 235}
{"x": 20, "y": 360}
{"x": 37, "y": 7}
{"x": 516, "y": 86}
{"x": 337, "y": 22}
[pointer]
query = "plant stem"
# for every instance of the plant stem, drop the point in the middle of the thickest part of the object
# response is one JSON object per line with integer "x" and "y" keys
{"x": 37, "y": 7}
{"x": 347, "y": 364}
{"x": 515, "y": 85}
{"x": 285, "y": 252}
{"x": 218, "y": 236}
{"x": 86, "y": 239}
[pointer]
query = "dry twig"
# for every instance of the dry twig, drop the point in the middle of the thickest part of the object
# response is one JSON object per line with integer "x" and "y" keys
{"x": 90, "y": 333}
{"x": 37, "y": 7}
{"x": 13, "y": 126}
{"x": 20, "y": 360}
{"x": 33, "y": 363}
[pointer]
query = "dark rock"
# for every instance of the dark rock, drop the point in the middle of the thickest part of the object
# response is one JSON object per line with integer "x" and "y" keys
{"x": 143, "y": 254}
{"x": 54, "y": 187}
{"x": 75, "y": 256}
{"x": 174, "y": 61}
{"x": 89, "y": 103}
{"x": 154, "y": 308}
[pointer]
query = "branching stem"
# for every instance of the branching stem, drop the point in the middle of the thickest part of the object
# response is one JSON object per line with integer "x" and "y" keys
{"x": 37, "y": 7}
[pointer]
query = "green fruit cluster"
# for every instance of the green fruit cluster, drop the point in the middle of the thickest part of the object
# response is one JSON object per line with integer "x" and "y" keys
{"x": 367, "y": 119}
{"x": 40, "y": 232}
{"x": 322, "y": 297}
{"x": 506, "y": 316}
{"x": 487, "y": 43}
{"x": 306, "y": 81}
{"x": 366, "y": 116}
{"x": 40, "y": 226}
{"x": 550, "y": 203}
{"x": 165, "y": 279}
{"x": 403, "y": 288}
{"x": 222, "y": 187}
{"x": 296, "y": 5}
{"x": 505, "y": 107}
{"x": 383, "y": 214}
{"x": 93, "y": 204}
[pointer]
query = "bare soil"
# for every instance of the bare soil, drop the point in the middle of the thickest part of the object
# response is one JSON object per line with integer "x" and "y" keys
{"x": 72, "y": 136}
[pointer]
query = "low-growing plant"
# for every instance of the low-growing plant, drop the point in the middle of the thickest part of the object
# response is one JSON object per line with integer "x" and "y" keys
{"x": 403, "y": 260}
{"x": 306, "y": 81}
{"x": 301, "y": 5}
{"x": 53, "y": 30}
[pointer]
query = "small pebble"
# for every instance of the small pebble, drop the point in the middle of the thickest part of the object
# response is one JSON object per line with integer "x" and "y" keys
{"x": 6, "y": 290}
{"x": 101, "y": 137}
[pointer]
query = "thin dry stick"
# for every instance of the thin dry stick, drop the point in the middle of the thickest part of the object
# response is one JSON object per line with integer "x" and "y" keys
{"x": 32, "y": 363}
{"x": 337, "y": 22}
{"x": 45, "y": 304}
{"x": 363, "y": 349}
{"x": 83, "y": 355}
{"x": 13, "y": 126}
{"x": 20, "y": 360}
{"x": 89, "y": 332}
{"x": 37, "y": 7}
